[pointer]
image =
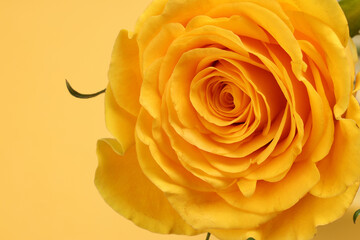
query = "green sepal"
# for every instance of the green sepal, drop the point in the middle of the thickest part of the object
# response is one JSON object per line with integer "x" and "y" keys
{"x": 356, "y": 214}
{"x": 351, "y": 9}
{"x": 76, "y": 94}
{"x": 208, "y": 236}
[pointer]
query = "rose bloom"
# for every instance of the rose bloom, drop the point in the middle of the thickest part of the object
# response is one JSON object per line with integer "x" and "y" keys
{"x": 234, "y": 117}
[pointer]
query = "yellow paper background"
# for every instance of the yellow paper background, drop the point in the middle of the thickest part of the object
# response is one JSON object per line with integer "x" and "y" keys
{"x": 47, "y": 137}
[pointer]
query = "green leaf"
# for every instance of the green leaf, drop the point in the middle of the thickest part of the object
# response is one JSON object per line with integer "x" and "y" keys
{"x": 351, "y": 9}
{"x": 81, "y": 95}
{"x": 356, "y": 214}
{"x": 250, "y": 238}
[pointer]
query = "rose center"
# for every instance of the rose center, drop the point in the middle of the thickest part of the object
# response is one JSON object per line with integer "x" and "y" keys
{"x": 222, "y": 100}
{"x": 225, "y": 99}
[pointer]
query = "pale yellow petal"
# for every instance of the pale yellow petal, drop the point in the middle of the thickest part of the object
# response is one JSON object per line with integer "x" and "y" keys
{"x": 125, "y": 188}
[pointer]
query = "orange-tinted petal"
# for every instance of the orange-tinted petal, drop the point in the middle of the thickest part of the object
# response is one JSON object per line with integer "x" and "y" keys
{"x": 337, "y": 57}
{"x": 327, "y": 11}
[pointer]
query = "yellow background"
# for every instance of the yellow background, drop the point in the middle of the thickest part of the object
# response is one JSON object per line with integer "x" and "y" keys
{"x": 47, "y": 137}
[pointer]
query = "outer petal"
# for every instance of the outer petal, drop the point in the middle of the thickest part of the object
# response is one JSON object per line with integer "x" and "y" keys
{"x": 298, "y": 222}
{"x": 328, "y": 11}
{"x": 201, "y": 209}
{"x": 124, "y": 73}
{"x": 341, "y": 168}
{"x": 302, "y": 219}
{"x": 353, "y": 111}
{"x": 278, "y": 196}
{"x": 337, "y": 58}
{"x": 183, "y": 10}
{"x": 125, "y": 188}
{"x": 155, "y": 8}
{"x": 119, "y": 122}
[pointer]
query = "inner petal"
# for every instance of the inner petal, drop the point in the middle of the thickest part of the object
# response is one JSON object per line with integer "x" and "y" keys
{"x": 221, "y": 97}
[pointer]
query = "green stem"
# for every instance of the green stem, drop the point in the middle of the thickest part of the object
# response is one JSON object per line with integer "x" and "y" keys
{"x": 208, "y": 236}
{"x": 76, "y": 94}
{"x": 351, "y": 9}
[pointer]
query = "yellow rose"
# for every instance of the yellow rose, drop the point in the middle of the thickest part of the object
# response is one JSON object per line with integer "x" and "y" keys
{"x": 235, "y": 117}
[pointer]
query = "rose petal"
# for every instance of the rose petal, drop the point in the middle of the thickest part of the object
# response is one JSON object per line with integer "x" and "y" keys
{"x": 201, "y": 210}
{"x": 164, "y": 156}
{"x": 159, "y": 45}
{"x": 298, "y": 221}
{"x": 239, "y": 25}
{"x": 341, "y": 167}
{"x": 277, "y": 196}
{"x": 336, "y": 55}
{"x": 124, "y": 187}
{"x": 206, "y": 211}
{"x": 273, "y": 24}
{"x": 303, "y": 218}
{"x": 150, "y": 97}
{"x": 182, "y": 11}
{"x": 155, "y": 8}
{"x": 353, "y": 111}
{"x": 247, "y": 187}
{"x": 327, "y": 11}
{"x": 124, "y": 75}
{"x": 120, "y": 123}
